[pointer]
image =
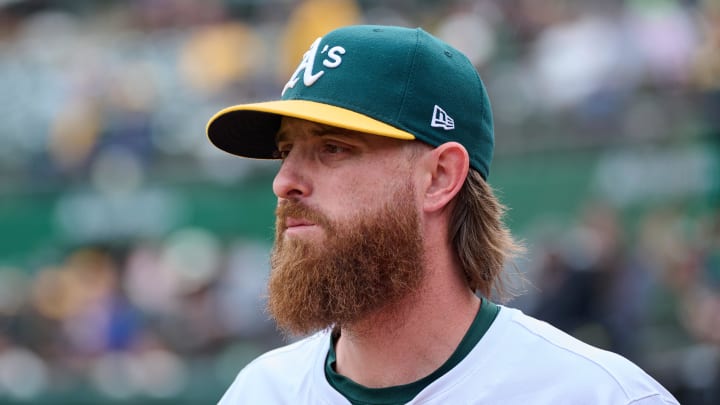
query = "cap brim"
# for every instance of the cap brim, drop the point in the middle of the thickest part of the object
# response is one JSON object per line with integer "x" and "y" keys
{"x": 249, "y": 129}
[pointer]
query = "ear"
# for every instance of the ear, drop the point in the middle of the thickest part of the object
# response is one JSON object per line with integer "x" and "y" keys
{"x": 448, "y": 166}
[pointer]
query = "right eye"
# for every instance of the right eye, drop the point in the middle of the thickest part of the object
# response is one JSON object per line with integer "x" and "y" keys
{"x": 282, "y": 151}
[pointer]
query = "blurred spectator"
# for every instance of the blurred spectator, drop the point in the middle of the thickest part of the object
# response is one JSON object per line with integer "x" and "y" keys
{"x": 591, "y": 287}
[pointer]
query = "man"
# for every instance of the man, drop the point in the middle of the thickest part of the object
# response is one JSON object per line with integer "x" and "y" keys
{"x": 389, "y": 241}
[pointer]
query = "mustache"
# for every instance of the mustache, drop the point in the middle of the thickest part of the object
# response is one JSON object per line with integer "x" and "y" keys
{"x": 295, "y": 209}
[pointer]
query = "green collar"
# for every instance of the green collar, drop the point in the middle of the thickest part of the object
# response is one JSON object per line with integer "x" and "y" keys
{"x": 401, "y": 394}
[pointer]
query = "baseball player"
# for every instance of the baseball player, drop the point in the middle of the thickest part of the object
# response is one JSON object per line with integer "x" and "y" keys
{"x": 389, "y": 241}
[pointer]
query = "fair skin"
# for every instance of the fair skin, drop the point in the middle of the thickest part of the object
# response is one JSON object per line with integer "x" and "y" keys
{"x": 338, "y": 172}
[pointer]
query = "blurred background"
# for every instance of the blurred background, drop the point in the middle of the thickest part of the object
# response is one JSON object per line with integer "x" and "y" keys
{"x": 133, "y": 255}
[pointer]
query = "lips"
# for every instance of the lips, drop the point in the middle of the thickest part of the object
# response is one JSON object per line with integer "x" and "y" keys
{"x": 294, "y": 217}
{"x": 291, "y": 222}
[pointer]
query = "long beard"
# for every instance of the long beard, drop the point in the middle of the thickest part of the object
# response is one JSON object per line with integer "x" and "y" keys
{"x": 362, "y": 266}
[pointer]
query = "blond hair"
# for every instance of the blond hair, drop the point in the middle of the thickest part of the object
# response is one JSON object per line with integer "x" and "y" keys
{"x": 482, "y": 241}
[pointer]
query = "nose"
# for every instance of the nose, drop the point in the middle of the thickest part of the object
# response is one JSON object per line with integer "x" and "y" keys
{"x": 291, "y": 180}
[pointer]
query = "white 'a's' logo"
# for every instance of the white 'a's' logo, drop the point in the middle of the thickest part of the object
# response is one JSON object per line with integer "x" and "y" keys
{"x": 333, "y": 60}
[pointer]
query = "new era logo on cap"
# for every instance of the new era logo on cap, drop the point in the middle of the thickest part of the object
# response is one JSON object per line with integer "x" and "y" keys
{"x": 441, "y": 119}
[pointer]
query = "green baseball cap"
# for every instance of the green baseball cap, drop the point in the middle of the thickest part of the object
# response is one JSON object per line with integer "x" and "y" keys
{"x": 389, "y": 81}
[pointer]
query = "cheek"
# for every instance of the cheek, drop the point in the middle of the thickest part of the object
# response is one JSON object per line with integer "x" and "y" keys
{"x": 366, "y": 187}
{"x": 354, "y": 194}
{"x": 373, "y": 193}
{"x": 343, "y": 200}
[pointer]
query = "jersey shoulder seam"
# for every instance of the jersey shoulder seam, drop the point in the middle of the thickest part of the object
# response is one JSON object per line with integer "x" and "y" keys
{"x": 575, "y": 353}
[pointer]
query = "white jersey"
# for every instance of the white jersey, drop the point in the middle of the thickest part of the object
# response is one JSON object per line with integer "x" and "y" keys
{"x": 519, "y": 360}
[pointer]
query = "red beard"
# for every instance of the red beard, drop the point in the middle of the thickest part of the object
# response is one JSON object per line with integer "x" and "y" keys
{"x": 362, "y": 265}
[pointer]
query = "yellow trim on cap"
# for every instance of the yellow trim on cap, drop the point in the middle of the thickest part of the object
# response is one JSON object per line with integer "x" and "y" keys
{"x": 320, "y": 113}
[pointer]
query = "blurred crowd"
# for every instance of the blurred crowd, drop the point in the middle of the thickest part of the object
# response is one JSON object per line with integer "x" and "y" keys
{"x": 135, "y": 320}
{"x": 653, "y": 296}
{"x": 109, "y": 99}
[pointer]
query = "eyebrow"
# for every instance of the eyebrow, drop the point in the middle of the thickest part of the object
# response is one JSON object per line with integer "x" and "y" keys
{"x": 319, "y": 129}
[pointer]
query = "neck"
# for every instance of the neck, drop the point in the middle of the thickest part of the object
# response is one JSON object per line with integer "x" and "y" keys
{"x": 410, "y": 339}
